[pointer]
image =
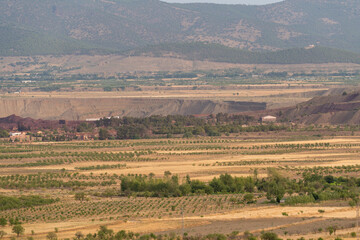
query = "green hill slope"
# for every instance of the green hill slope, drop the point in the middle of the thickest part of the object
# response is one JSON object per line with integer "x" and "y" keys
{"x": 20, "y": 42}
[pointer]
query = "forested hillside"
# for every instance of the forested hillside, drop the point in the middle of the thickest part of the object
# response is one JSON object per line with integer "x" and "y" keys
{"x": 64, "y": 26}
{"x": 18, "y": 42}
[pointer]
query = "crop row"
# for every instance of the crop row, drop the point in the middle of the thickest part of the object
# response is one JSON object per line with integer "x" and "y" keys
{"x": 100, "y": 155}
{"x": 125, "y": 208}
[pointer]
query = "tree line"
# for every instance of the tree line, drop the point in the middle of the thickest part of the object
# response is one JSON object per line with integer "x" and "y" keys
{"x": 7, "y": 202}
{"x": 104, "y": 233}
{"x": 309, "y": 188}
{"x": 188, "y": 126}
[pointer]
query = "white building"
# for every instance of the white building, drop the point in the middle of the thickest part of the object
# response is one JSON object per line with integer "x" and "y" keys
{"x": 268, "y": 119}
{"x": 14, "y": 134}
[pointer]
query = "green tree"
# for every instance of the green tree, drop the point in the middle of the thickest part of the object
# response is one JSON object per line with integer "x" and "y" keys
{"x": 79, "y": 235}
{"x": 276, "y": 185}
{"x": 249, "y": 236}
{"x": 3, "y": 222}
{"x": 249, "y": 198}
{"x": 51, "y": 236}
{"x": 80, "y": 196}
{"x": 120, "y": 235}
{"x": 275, "y": 191}
{"x": 84, "y": 127}
{"x": 105, "y": 233}
{"x": 4, "y": 133}
{"x": 269, "y": 236}
{"x": 103, "y": 134}
{"x": 18, "y": 229}
{"x": 167, "y": 174}
{"x": 331, "y": 230}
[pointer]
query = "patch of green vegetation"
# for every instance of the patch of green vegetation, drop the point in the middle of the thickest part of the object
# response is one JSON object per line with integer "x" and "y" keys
{"x": 21, "y": 42}
{"x": 137, "y": 128}
{"x": 310, "y": 189}
{"x": 4, "y": 133}
{"x": 7, "y": 203}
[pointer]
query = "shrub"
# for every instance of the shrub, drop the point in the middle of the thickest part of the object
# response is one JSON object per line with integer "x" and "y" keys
{"x": 301, "y": 199}
{"x": 269, "y": 236}
{"x": 51, "y": 236}
{"x": 2, "y": 234}
{"x": 7, "y": 203}
{"x": 3, "y": 221}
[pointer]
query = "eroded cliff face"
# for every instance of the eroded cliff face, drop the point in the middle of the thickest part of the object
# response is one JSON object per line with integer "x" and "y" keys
{"x": 336, "y": 106}
{"x": 81, "y": 109}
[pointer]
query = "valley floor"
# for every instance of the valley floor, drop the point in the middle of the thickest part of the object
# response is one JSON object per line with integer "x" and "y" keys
{"x": 201, "y": 158}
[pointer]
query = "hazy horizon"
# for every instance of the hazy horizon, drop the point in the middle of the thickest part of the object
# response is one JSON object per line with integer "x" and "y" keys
{"x": 248, "y": 2}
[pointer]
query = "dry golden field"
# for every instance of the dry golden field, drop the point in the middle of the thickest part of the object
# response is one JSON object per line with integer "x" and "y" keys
{"x": 97, "y": 165}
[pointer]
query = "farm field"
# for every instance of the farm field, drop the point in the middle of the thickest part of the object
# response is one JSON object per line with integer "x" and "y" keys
{"x": 95, "y": 169}
{"x": 234, "y": 93}
{"x": 112, "y": 64}
{"x": 179, "y": 120}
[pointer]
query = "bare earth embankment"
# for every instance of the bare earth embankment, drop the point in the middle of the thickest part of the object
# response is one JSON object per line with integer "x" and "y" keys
{"x": 181, "y": 100}
{"x": 81, "y": 109}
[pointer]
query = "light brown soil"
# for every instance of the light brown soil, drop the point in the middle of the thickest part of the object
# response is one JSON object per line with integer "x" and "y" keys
{"x": 85, "y": 105}
{"x": 112, "y": 64}
{"x": 82, "y": 109}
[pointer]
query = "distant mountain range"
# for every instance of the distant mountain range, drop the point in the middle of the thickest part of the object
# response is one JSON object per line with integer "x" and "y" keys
{"x": 113, "y": 26}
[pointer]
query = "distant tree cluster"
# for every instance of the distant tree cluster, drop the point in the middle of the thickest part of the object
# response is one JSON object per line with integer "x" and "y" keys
{"x": 7, "y": 202}
{"x": 104, "y": 233}
{"x": 170, "y": 187}
{"x": 137, "y": 128}
{"x": 4, "y": 133}
{"x": 310, "y": 188}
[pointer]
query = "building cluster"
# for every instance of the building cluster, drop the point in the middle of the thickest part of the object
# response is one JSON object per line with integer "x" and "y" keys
{"x": 24, "y": 137}
{"x": 67, "y": 134}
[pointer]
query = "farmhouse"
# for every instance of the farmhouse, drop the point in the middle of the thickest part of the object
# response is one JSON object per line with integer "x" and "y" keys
{"x": 19, "y": 136}
{"x": 92, "y": 119}
{"x": 15, "y": 134}
{"x": 268, "y": 119}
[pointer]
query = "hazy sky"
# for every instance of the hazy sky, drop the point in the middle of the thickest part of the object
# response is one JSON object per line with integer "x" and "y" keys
{"x": 249, "y": 2}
